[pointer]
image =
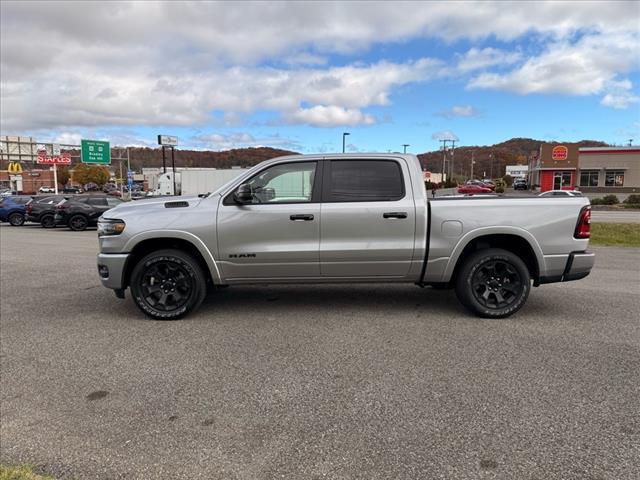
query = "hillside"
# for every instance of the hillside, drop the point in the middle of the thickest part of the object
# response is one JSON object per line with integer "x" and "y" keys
{"x": 491, "y": 160}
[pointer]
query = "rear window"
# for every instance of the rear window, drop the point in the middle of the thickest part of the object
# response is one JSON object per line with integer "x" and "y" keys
{"x": 364, "y": 181}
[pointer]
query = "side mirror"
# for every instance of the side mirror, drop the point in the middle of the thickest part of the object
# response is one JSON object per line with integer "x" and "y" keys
{"x": 244, "y": 194}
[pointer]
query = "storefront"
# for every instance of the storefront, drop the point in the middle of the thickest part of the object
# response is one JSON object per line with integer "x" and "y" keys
{"x": 555, "y": 168}
{"x": 609, "y": 170}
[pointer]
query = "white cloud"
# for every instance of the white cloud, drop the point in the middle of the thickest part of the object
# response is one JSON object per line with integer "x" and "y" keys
{"x": 587, "y": 67}
{"x": 61, "y": 71}
{"x": 217, "y": 141}
{"x": 331, "y": 116}
{"x": 460, "y": 111}
{"x": 444, "y": 135}
{"x": 480, "y": 59}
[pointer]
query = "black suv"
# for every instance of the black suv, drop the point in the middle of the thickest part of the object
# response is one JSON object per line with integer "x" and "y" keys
{"x": 82, "y": 211}
{"x": 520, "y": 184}
{"x": 42, "y": 209}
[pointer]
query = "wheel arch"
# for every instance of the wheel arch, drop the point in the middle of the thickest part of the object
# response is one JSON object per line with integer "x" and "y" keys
{"x": 142, "y": 245}
{"x": 518, "y": 241}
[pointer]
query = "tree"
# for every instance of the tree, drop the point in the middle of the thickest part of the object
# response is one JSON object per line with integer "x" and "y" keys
{"x": 508, "y": 180}
{"x": 63, "y": 175}
{"x": 97, "y": 174}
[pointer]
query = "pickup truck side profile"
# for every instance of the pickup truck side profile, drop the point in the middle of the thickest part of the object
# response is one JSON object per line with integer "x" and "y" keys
{"x": 341, "y": 218}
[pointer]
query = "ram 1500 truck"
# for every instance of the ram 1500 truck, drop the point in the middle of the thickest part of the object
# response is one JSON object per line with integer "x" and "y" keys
{"x": 341, "y": 218}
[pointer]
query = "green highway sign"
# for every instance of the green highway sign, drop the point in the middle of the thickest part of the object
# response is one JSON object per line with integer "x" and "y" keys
{"x": 96, "y": 151}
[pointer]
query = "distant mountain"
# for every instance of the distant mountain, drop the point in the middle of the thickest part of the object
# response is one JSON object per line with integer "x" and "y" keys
{"x": 491, "y": 160}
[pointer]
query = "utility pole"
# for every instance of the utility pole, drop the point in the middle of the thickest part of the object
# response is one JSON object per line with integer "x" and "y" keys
{"x": 491, "y": 164}
{"x": 630, "y": 141}
{"x": 444, "y": 157}
{"x": 453, "y": 156}
{"x": 472, "y": 162}
{"x": 405, "y": 145}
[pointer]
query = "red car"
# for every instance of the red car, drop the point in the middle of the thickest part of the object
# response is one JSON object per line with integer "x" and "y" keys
{"x": 473, "y": 188}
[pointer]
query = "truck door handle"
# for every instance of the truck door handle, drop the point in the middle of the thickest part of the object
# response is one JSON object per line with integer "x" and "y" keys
{"x": 395, "y": 215}
{"x": 302, "y": 216}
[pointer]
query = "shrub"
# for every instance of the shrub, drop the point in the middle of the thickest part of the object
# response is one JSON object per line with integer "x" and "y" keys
{"x": 610, "y": 200}
{"x": 508, "y": 180}
{"x": 596, "y": 201}
{"x": 633, "y": 199}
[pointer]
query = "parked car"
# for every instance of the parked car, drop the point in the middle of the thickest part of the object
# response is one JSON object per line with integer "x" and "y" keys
{"x": 520, "y": 184}
{"x": 46, "y": 190}
{"x": 490, "y": 185}
{"x": 561, "y": 193}
{"x": 71, "y": 190}
{"x": 13, "y": 210}
{"x": 377, "y": 226}
{"x": 83, "y": 211}
{"x": 42, "y": 209}
{"x": 473, "y": 188}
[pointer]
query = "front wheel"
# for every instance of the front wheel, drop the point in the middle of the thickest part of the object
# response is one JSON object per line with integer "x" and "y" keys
{"x": 493, "y": 283}
{"x": 16, "y": 219}
{"x": 168, "y": 284}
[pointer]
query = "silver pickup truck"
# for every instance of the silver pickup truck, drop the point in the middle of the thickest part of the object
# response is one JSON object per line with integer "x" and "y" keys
{"x": 341, "y": 218}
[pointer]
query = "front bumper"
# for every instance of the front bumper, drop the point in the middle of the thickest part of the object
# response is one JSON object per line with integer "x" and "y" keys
{"x": 111, "y": 268}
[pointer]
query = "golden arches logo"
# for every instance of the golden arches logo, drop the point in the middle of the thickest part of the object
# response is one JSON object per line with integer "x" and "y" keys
{"x": 14, "y": 167}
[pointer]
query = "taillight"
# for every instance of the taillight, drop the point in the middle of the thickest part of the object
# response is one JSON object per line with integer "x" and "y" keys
{"x": 583, "y": 228}
{"x": 29, "y": 208}
{"x": 62, "y": 206}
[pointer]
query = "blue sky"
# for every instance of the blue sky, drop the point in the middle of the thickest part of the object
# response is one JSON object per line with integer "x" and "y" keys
{"x": 297, "y": 75}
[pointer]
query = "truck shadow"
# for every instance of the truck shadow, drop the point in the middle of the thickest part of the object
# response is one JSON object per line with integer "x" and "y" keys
{"x": 377, "y": 298}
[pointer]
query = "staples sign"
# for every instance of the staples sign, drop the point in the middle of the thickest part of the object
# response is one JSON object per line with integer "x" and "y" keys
{"x": 62, "y": 159}
{"x": 559, "y": 153}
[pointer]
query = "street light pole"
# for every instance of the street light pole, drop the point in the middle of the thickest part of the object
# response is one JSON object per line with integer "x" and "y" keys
{"x": 472, "y": 162}
{"x": 444, "y": 157}
{"x": 453, "y": 156}
{"x": 344, "y": 135}
{"x": 405, "y": 145}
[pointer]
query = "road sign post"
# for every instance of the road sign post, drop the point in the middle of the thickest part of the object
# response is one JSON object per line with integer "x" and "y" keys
{"x": 95, "y": 152}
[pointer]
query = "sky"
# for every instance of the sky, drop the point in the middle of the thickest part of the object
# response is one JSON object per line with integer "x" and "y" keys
{"x": 297, "y": 75}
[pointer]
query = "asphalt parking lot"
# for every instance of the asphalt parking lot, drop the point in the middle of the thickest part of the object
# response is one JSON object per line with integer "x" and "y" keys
{"x": 309, "y": 382}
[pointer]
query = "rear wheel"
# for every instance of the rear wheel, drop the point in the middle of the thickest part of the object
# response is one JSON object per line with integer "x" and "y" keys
{"x": 493, "y": 283}
{"x": 77, "y": 223}
{"x": 16, "y": 219}
{"x": 168, "y": 284}
{"x": 47, "y": 221}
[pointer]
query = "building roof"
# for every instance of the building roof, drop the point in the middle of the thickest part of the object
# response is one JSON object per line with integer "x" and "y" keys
{"x": 608, "y": 150}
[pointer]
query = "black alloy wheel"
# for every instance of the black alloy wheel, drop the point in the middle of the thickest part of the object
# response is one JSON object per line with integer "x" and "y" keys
{"x": 16, "y": 219}
{"x": 77, "y": 223}
{"x": 47, "y": 221}
{"x": 493, "y": 283}
{"x": 168, "y": 284}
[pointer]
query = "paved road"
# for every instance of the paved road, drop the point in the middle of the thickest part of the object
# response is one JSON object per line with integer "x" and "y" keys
{"x": 615, "y": 217}
{"x": 294, "y": 382}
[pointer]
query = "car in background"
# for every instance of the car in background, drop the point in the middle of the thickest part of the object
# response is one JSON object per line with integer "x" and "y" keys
{"x": 72, "y": 190}
{"x": 481, "y": 183}
{"x": 137, "y": 195}
{"x": 13, "y": 210}
{"x": 561, "y": 193}
{"x": 46, "y": 190}
{"x": 42, "y": 209}
{"x": 520, "y": 184}
{"x": 83, "y": 211}
{"x": 473, "y": 188}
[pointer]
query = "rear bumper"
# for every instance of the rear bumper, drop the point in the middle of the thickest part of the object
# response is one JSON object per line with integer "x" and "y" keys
{"x": 579, "y": 265}
{"x": 111, "y": 268}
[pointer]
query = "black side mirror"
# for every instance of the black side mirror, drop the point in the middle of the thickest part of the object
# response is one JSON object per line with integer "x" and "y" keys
{"x": 244, "y": 194}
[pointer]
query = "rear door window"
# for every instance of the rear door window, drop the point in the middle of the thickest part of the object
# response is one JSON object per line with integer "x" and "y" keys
{"x": 363, "y": 181}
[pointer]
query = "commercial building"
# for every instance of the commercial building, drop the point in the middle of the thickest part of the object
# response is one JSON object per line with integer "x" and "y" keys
{"x": 594, "y": 170}
{"x": 606, "y": 170}
{"x": 517, "y": 171}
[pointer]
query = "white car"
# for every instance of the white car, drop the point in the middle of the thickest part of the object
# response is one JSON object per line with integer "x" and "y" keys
{"x": 561, "y": 193}
{"x": 46, "y": 190}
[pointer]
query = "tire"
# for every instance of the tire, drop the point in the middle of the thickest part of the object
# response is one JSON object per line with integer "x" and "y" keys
{"x": 168, "y": 284}
{"x": 16, "y": 219}
{"x": 78, "y": 223}
{"x": 47, "y": 221}
{"x": 481, "y": 283}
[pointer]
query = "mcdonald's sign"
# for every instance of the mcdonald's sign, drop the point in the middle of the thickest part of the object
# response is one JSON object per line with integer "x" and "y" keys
{"x": 14, "y": 167}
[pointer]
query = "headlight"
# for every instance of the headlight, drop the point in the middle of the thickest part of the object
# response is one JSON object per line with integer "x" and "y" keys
{"x": 107, "y": 226}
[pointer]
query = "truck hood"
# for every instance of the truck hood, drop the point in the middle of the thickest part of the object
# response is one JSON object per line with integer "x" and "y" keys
{"x": 153, "y": 204}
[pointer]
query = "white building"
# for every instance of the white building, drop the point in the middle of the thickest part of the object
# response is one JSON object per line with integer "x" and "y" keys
{"x": 517, "y": 171}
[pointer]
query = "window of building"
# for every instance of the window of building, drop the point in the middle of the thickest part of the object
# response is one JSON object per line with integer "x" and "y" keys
{"x": 589, "y": 178}
{"x": 364, "y": 181}
{"x": 614, "y": 178}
